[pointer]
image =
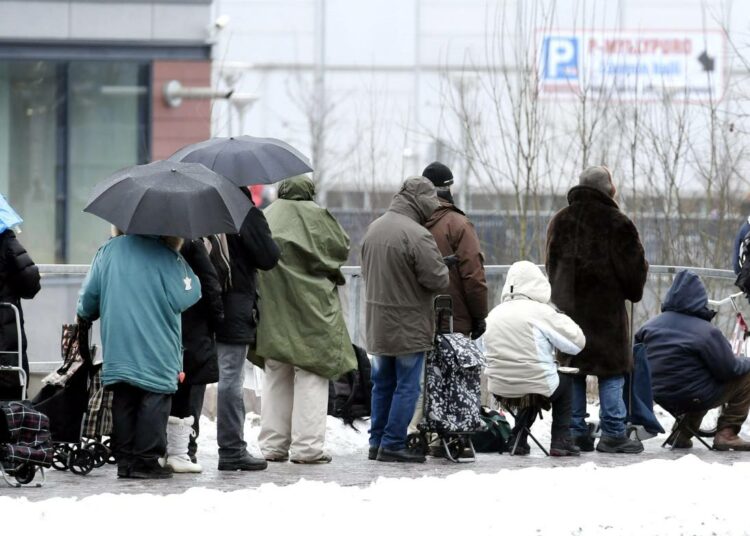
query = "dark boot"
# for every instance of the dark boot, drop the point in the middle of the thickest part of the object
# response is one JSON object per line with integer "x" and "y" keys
{"x": 585, "y": 443}
{"x": 619, "y": 445}
{"x": 244, "y": 463}
{"x": 402, "y": 455}
{"x": 727, "y": 439}
{"x": 148, "y": 469}
{"x": 523, "y": 448}
{"x": 682, "y": 441}
{"x": 372, "y": 453}
{"x": 436, "y": 451}
{"x": 563, "y": 447}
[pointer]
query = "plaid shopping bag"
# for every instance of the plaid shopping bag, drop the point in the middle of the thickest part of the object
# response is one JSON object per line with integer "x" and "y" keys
{"x": 98, "y": 421}
{"x": 71, "y": 356}
{"x": 27, "y": 434}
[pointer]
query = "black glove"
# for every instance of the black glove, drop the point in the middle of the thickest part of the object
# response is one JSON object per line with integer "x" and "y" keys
{"x": 478, "y": 327}
{"x": 451, "y": 261}
{"x": 83, "y": 323}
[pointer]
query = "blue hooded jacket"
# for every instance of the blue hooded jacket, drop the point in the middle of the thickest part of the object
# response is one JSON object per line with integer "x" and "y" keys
{"x": 690, "y": 359}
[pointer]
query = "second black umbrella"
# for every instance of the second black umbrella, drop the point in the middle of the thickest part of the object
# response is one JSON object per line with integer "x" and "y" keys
{"x": 247, "y": 160}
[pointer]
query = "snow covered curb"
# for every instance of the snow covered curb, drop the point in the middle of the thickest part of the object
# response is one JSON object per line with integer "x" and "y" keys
{"x": 685, "y": 496}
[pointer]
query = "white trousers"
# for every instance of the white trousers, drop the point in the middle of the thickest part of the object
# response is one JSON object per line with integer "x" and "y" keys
{"x": 293, "y": 414}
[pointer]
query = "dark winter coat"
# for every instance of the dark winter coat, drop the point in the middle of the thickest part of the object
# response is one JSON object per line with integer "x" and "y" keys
{"x": 595, "y": 262}
{"x": 251, "y": 249}
{"x": 403, "y": 271}
{"x": 455, "y": 235}
{"x": 19, "y": 279}
{"x": 199, "y": 357}
{"x": 690, "y": 359}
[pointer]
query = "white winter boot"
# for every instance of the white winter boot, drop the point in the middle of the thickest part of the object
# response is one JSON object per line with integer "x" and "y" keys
{"x": 178, "y": 436}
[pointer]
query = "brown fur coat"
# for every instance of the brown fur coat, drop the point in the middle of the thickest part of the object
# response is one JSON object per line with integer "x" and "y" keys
{"x": 595, "y": 261}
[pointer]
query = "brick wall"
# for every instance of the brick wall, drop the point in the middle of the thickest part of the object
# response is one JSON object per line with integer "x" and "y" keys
{"x": 172, "y": 128}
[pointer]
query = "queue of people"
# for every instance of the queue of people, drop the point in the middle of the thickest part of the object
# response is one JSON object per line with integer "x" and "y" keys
{"x": 176, "y": 316}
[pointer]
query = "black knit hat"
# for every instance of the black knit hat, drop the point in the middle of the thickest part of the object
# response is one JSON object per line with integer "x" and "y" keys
{"x": 439, "y": 174}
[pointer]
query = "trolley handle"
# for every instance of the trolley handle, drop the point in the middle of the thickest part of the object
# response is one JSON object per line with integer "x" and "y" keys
{"x": 19, "y": 339}
{"x": 728, "y": 299}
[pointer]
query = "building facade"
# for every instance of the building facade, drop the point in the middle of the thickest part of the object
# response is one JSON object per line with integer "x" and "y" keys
{"x": 82, "y": 95}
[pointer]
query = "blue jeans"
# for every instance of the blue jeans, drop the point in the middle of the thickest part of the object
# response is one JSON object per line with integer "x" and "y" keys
{"x": 395, "y": 389}
{"x": 612, "y": 410}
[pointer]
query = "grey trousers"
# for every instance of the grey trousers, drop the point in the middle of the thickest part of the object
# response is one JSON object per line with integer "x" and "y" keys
{"x": 293, "y": 413}
{"x": 230, "y": 406}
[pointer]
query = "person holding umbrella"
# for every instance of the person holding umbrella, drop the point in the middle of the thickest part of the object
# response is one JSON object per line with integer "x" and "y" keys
{"x": 245, "y": 160}
{"x": 250, "y": 250}
{"x": 139, "y": 285}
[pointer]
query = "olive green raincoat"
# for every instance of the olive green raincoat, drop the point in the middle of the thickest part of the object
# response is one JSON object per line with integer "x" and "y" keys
{"x": 301, "y": 320}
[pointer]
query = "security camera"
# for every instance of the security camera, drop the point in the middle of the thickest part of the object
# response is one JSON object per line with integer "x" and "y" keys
{"x": 221, "y": 22}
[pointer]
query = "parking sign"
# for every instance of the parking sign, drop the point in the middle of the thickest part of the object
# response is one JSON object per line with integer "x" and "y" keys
{"x": 560, "y": 58}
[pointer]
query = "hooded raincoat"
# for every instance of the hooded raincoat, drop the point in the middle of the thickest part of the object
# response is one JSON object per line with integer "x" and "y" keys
{"x": 301, "y": 320}
{"x": 403, "y": 271}
{"x": 523, "y": 333}
{"x": 690, "y": 359}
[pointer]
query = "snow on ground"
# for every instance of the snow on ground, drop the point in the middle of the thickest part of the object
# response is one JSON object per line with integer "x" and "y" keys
{"x": 685, "y": 496}
{"x": 341, "y": 439}
{"x": 659, "y": 497}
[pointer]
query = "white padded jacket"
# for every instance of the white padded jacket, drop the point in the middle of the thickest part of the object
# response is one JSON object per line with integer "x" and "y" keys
{"x": 523, "y": 333}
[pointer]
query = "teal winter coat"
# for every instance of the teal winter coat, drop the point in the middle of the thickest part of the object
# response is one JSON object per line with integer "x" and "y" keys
{"x": 139, "y": 287}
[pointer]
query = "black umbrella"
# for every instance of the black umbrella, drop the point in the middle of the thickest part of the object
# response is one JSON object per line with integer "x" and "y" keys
{"x": 246, "y": 160}
{"x": 169, "y": 199}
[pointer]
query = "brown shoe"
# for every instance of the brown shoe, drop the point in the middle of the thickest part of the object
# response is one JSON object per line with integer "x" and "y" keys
{"x": 727, "y": 439}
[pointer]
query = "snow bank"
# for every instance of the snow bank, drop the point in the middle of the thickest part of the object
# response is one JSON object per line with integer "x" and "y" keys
{"x": 341, "y": 439}
{"x": 659, "y": 497}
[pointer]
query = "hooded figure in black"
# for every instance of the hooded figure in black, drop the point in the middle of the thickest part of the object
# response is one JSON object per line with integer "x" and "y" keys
{"x": 693, "y": 368}
{"x": 19, "y": 279}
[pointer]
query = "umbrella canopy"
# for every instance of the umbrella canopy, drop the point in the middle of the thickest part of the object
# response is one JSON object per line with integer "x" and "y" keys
{"x": 9, "y": 218}
{"x": 169, "y": 199}
{"x": 246, "y": 160}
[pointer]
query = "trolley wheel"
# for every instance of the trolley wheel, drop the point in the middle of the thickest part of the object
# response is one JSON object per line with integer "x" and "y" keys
{"x": 80, "y": 460}
{"x": 24, "y": 473}
{"x": 417, "y": 442}
{"x": 99, "y": 453}
{"x": 455, "y": 446}
{"x": 60, "y": 457}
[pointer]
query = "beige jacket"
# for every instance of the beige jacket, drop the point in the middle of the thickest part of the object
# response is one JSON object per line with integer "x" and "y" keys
{"x": 522, "y": 334}
{"x": 403, "y": 271}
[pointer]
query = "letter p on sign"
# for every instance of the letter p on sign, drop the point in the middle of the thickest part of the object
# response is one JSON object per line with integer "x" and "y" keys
{"x": 560, "y": 58}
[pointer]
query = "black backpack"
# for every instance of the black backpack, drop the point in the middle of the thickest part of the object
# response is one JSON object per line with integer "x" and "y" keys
{"x": 349, "y": 395}
{"x": 495, "y": 436}
{"x": 743, "y": 278}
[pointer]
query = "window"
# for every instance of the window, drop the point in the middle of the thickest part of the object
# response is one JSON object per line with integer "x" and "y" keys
{"x": 64, "y": 126}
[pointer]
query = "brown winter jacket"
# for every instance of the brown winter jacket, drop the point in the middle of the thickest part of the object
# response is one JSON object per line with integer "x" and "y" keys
{"x": 455, "y": 235}
{"x": 595, "y": 262}
{"x": 403, "y": 270}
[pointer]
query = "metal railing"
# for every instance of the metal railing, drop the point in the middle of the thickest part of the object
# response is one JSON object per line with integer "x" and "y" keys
{"x": 44, "y": 317}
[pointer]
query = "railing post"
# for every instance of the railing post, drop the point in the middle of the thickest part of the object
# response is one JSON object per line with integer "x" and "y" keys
{"x": 354, "y": 306}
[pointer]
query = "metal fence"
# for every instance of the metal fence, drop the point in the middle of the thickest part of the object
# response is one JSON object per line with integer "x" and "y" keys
{"x": 56, "y": 303}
